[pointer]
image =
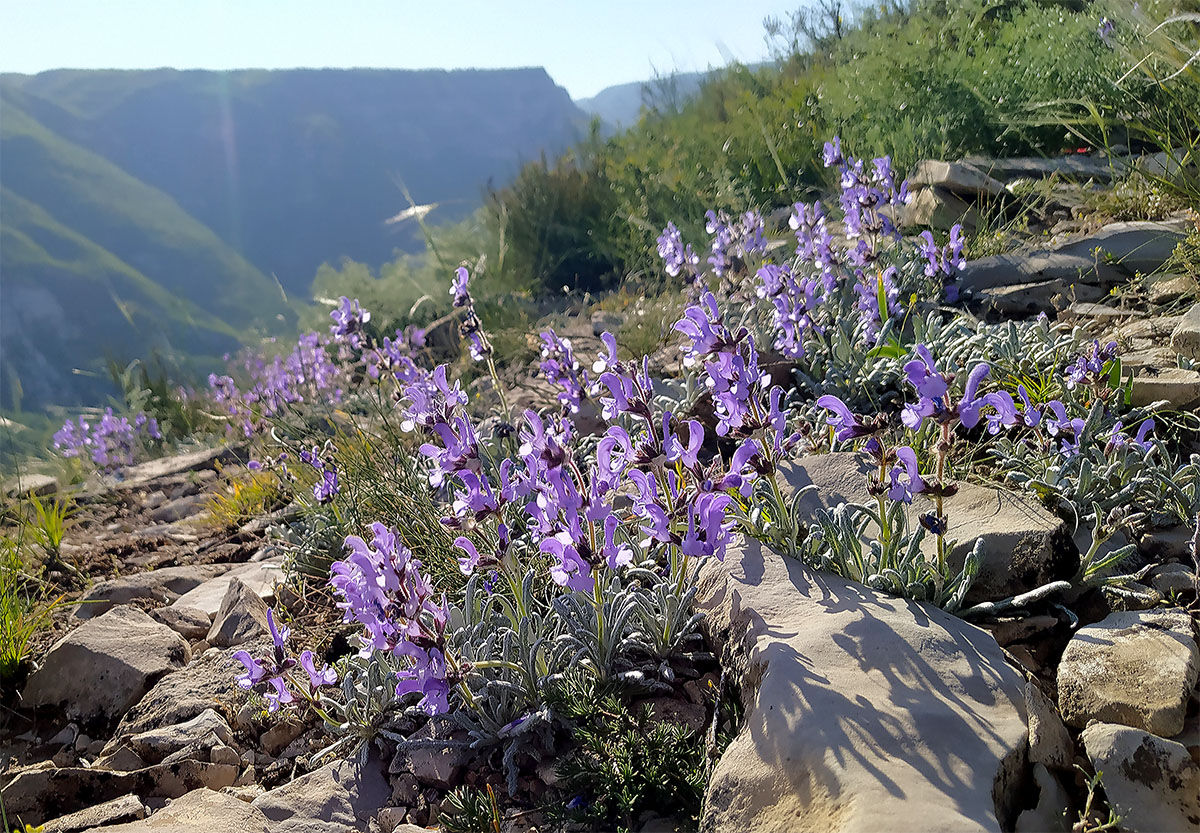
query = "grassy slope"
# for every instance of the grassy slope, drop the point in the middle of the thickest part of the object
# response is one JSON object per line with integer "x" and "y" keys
{"x": 68, "y": 304}
{"x": 96, "y": 265}
{"x": 137, "y": 223}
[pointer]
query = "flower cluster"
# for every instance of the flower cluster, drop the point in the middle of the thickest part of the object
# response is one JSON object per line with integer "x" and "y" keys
{"x": 274, "y": 674}
{"x": 326, "y": 487}
{"x": 308, "y": 373}
{"x": 111, "y": 443}
{"x": 471, "y": 327}
{"x": 733, "y": 240}
{"x": 349, "y": 322}
{"x": 380, "y": 586}
{"x": 561, "y": 368}
{"x": 677, "y": 258}
{"x": 944, "y": 263}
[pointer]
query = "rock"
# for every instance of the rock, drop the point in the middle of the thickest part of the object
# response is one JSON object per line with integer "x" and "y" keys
{"x": 274, "y": 740}
{"x": 156, "y": 744}
{"x": 1104, "y": 259}
{"x": 38, "y": 485}
{"x": 225, "y": 755}
{"x": 260, "y": 577}
{"x": 1049, "y": 741}
{"x": 1135, "y": 668}
{"x": 1099, "y": 313}
{"x": 209, "y": 680}
{"x": 1152, "y": 783}
{"x": 241, "y": 617}
{"x": 433, "y": 765}
{"x": 1053, "y": 810}
{"x": 36, "y": 794}
{"x": 1138, "y": 246}
{"x": 180, "y": 508}
{"x": 1026, "y": 300}
{"x": 1076, "y": 167}
{"x": 201, "y": 811}
{"x": 1177, "y": 387}
{"x": 861, "y": 709}
{"x": 1024, "y": 545}
{"x": 961, "y": 178}
{"x": 340, "y": 797}
{"x": 937, "y": 208}
{"x": 188, "y": 622}
{"x": 1169, "y": 579}
{"x": 1166, "y": 289}
{"x": 101, "y": 669}
{"x": 141, "y": 475}
{"x": 164, "y": 585}
{"x": 120, "y": 758}
{"x": 605, "y": 321}
{"x": 125, "y": 808}
{"x": 1185, "y": 340}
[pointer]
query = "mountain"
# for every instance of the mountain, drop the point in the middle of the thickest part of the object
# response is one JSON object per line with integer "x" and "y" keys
{"x": 620, "y": 106}
{"x": 180, "y": 210}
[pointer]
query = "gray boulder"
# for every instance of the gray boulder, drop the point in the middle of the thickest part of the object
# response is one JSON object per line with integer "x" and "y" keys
{"x": 261, "y": 577}
{"x": 100, "y": 670}
{"x": 156, "y": 744}
{"x": 125, "y": 808}
{"x": 201, "y": 811}
{"x": 1176, "y": 386}
{"x": 165, "y": 584}
{"x": 189, "y": 622}
{"x": 1049, "y": 741}
{"x": 1136, "y": 668}
{"x": 960, "y": 178}
{"x": 937, "y": 208}
{"x": 207, "y": 681}
{"x": 36, "y": 794}
{"x": 340, "y": 797}
{"x": 1185, "y": 340}
{"x": 1152, "y": 783}
{"x": 241, "y": 617}
{"x": 864, "y": 712}
{"x": 1024, "y": 545}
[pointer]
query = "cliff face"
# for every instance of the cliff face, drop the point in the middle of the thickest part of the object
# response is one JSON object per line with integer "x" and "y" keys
{"x": 185, "y": 195}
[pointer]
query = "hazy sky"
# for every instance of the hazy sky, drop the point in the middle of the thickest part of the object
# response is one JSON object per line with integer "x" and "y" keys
{"x": 585, "y": 46}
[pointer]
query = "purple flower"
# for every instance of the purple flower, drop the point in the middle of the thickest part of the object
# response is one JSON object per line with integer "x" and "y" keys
{"x": 458, "y": 287}
{"x": 570, "y": 569}
{"x": 349, "y": 320}
{"x": 256, "y": 670}
{"x": 675, "y": 255}
{"x": 905, "y": 478}
{"x": 1004, "y": 414}
{"x": 316, "y": 679}
{"x": 468, "y": 564}
{"x": 846, "y": 423}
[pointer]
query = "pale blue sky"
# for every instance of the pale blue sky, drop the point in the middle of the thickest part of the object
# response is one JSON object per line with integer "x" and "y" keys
{"x": 585, "y": 46}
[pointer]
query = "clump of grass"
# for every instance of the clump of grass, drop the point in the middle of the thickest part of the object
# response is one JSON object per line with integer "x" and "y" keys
{"x": 627, "y": 764}
{"x": 470, "y": 810}
{"x": 1136, "y": 197}
{"x": 245, "y": 498}
{"x": 24, "y": 610}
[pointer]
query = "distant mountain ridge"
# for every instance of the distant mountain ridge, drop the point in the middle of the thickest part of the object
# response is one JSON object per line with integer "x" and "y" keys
{"x": 174, "y": 210}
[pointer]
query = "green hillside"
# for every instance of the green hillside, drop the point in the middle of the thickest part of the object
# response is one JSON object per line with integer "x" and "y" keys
{"x": 96, "y": 264}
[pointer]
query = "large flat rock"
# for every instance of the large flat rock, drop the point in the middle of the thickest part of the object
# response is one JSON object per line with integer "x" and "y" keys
{"x": 200, "y": 811}
{"x": 1153, "y": 784}
{"x": 1103, "y": 259}
{"x": 165, "y": 584}
{"x": 864, "y": 712}
{"x": 100, "y": 670}
{"x": 259, "y": 577}
{"x": 340, "y": 797}
{"x": 1025, "y": 546}
{"x": 1136, "y": 668}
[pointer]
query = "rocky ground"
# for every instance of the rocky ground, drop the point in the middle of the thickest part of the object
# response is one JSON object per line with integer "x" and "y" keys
{"x": 862, "y": 711}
